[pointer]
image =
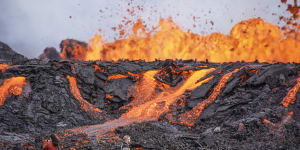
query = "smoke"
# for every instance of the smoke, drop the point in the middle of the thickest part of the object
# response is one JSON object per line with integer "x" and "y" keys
{"x": 32, "y": 25}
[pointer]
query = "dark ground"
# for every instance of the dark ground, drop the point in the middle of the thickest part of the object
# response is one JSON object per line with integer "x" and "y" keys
{"x": 235, "y": 120}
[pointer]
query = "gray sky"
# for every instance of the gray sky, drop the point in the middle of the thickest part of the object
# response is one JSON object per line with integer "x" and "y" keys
{"x": 29, "y": 26}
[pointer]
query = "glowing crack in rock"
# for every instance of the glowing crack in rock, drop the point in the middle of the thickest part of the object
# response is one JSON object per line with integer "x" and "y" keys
{"x": 190, "y": 117}
{"x": 85, "y": 106}
{"x": 291, "y": 95}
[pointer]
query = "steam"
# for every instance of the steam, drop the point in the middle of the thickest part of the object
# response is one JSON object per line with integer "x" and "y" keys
{"x": 32, "y": 25}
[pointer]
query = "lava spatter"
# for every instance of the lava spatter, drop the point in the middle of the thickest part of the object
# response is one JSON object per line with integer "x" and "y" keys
{"x": 12, "y": 85}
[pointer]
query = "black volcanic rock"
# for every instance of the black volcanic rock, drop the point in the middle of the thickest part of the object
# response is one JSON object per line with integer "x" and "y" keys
{"x": 235, "y": 120}
{"x": 7, "y": 55}
{"x": 73, "y": 49}
{"x": 50, "y": 53}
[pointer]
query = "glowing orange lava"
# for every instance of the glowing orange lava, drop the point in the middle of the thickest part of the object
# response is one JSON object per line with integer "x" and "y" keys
{"x": 150, "y": 109}
{"x": 3, "y": 67}
{"x": 249, "y": 40}
{"x": 291, "y": 95}
{"x": 97, "y": 68}
{"x": 190, "y": 117}
{"x": 12, "y": 85}
{"x": 117, "y": 76}
{"x": 86, "y": 106}
{"x": 160, "y": 103}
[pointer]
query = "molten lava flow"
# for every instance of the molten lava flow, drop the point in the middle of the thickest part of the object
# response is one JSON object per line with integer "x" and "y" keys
{"x": 86, "y": 106}
{"x": 278, "y": 127}
{"x": 152, "y": 109}
{"x": 248, "y": 41}
{"x": 291, "y": 96}
{"x": 149, "y": 110}
{"x": 3, "y": 67}
{"x": 117, "y": 76}
{"x": 190, "y": 117}
{"x": 97, "y": 68}
{"x": 144, "y": 89}
{"x": 12, "y": 85}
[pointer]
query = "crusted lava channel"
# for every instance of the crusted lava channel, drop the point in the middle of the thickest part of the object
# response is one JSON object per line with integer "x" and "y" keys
{"x": 150, "y": 105}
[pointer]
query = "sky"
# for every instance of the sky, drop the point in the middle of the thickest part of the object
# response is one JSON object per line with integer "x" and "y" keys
{"x": 29, "y": 26}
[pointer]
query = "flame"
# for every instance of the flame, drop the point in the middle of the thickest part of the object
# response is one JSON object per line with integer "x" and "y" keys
{"x": 12, "y": 85}
{"x": 249, "y": 40}
{"x": 190, "y": 117}
{"x": 291, "y": 95}
{"x": 3, "y": 67}
{"x": 86, "y": 106}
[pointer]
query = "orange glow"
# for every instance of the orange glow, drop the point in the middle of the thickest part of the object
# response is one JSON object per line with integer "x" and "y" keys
{"x": 12, "y": 85}
{"x": 190, "y": 117}
{"x": 277, "y": 128}
{"x": 109, "y": 96}
{"x": 97, "y": 68}
{"x": 157, "y": 104}
{"x": 117, "y": 76}
{"x": 3, "y": 67}
{"x": 151, "y": 109}
{"x": 291, "y": 95}
{"x": 249, "y": 40}
{"x": 77, "y": 52}
{"x": 86, "y": 106}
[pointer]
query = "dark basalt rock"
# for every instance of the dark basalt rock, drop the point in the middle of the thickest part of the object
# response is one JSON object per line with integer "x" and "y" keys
{"x": 47, "y": 106}
{"x": 7, "y": 55}
{"x": 50, "y": 53}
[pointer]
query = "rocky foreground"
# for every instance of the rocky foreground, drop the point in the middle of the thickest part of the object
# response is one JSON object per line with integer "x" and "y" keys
{"x": 258, "y": 106}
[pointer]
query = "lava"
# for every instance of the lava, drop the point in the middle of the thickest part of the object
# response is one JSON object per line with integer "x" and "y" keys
{"x": 278, "y": 127}
{"x": 249, "y": 40}
{"x": 154, "y": 107}
{"x": 117, "y": 76}
{"x": 190, "y": 117}
{"x": 150, "y": 109}
{"x": 3, "y": 67}
{"x": 13, "y": 86}
{"x": 86, "y": 106}
{"x": 97, "y": 68}
{"x": 291, "y": 95}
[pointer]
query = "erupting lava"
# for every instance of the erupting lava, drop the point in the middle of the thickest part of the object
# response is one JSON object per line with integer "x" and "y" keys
{"x": 249, "y": 40}
{"x": 12, "y": 85}
{"x": 86, "y": 106}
